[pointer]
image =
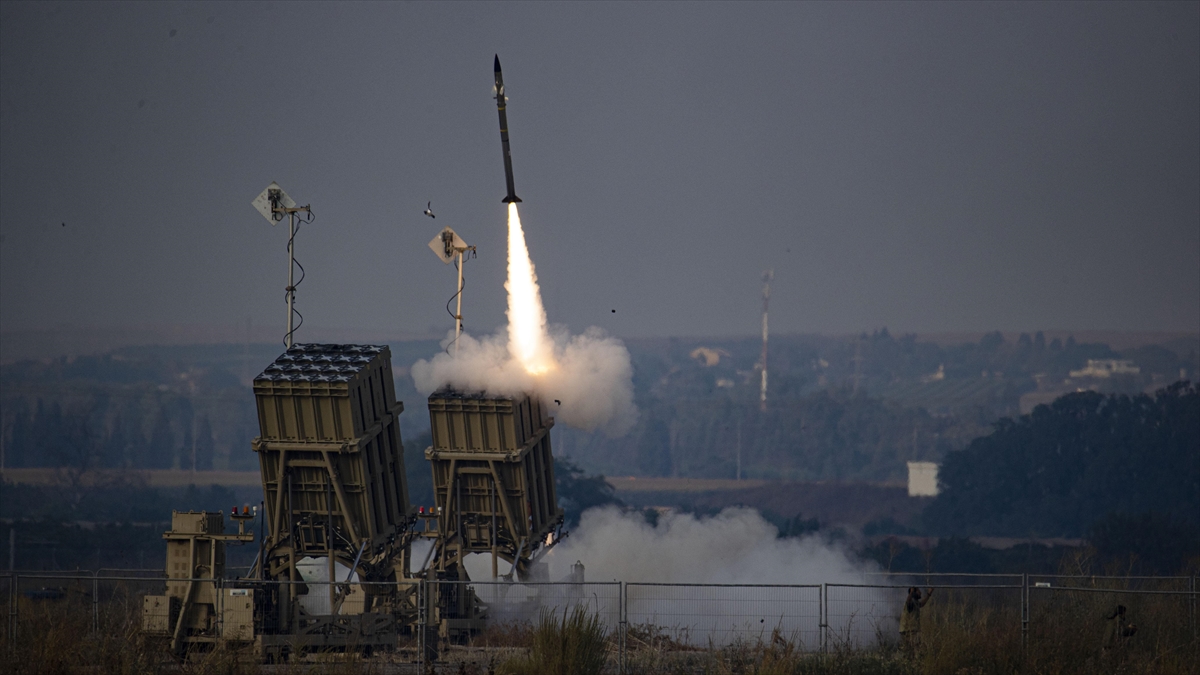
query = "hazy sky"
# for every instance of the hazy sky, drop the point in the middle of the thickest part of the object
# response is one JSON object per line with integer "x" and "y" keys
{"x": 928, "y": 167}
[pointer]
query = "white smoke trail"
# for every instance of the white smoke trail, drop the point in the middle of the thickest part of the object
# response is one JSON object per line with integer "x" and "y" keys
{"x": 585, "y": 380}
{"x": 527, "y": 338}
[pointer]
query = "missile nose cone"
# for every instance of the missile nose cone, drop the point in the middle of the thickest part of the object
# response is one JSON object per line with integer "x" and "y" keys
{"x": 496, "y": 66}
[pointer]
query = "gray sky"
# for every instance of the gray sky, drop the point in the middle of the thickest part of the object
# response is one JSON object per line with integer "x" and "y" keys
{"x": 928, "y": 167}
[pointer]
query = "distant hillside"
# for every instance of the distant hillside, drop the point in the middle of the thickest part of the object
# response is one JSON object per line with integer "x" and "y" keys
{"x": 851, "y": 408}
{"x": 844, "y": 408}
{"x": 1059, "y": 470}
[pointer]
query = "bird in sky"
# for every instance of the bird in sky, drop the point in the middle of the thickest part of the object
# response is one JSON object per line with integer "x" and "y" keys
{"x": 429, "y": 209}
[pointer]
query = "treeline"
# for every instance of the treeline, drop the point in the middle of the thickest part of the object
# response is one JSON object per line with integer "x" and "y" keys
{"x": 903, "y": 368}
{"x": 1068, "y": 466}
{"x": 850, "y": 409}
{"x": 847, "y": 408}
{"x": 126, "y": 410}
{"x": 832, "y": 434}
{"x": 118, "y": 524}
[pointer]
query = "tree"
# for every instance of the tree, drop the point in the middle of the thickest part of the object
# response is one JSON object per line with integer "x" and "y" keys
{"x": 162, "y": 443}
{"x": 418, "y": 471}
{"x": 578, "y": 492}
{"x": 654, "y": 448}
{"x": 204, "y": 445}
{"x": 992, "y": 341}
{"x": 1146, "y": 543}
{"x": 1059, "y": 469}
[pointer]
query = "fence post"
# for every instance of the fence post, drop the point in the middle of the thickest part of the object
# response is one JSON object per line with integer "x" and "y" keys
{"x": 12, "y": 611}
{"x": 421, "y": 602}
{"x": 1024, "y": 611}
{"x": 219, "y": 591}
{"x": 96, "y": 602}
{"x": 622, "y": 619}
{"x": 1193, "y": 608}
{"x": 823, "y": 618}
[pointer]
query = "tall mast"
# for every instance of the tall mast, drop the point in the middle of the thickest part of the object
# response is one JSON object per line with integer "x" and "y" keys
{"x": 768, "y": 275}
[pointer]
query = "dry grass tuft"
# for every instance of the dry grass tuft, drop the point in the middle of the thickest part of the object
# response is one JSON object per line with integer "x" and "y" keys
{"x": 577, "y": 644}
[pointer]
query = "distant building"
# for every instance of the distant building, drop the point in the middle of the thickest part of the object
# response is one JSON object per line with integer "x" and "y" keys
{"x": 708, "y": 357}
{"x": 1106, "y": 368}
{"x": 922, "y": 479}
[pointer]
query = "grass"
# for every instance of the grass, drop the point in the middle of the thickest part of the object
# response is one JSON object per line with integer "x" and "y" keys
{"x": 576, "y": 644}
{"x": 965, "y": 632}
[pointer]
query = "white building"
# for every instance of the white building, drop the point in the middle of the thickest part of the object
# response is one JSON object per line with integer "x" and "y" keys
{"x": 1106, "y": 368}
{"x": 922, "y": 479}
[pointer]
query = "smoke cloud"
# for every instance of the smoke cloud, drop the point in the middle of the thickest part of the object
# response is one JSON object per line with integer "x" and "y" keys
{"x": 592, "y": 379}
{"x": 663, "y": 566}
{"x": 736, "y": 546}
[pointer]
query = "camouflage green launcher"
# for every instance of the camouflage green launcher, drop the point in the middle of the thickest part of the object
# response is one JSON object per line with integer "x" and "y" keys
{"x": 493, "y": 479}
{"x": 330, "y": 453}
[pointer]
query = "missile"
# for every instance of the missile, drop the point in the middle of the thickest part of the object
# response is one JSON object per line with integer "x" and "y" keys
{"x": 508, "y": 177}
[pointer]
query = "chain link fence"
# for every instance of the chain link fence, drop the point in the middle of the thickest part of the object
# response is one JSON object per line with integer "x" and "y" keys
{"x": 678, "y": 626}
{"x": 61, "y": 619}
{"x": 486, "y": 623}
{"x": 1086, "y": 620}
{"x": 90, "y": 619}
{"x": 8, "y": 600}
{"x": 865, "y": 616}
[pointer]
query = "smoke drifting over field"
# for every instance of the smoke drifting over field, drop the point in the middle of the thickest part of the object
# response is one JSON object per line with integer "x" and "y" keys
{"x": 662, "y": 564}
{"x": 736, "y": 546}
{"x": 586, "y": 380}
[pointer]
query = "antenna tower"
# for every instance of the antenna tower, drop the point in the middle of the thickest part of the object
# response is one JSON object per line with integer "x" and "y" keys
{"x": 273, "y": 203}
{"x": 446, "y": 246}
{"x": 767, "y": 276}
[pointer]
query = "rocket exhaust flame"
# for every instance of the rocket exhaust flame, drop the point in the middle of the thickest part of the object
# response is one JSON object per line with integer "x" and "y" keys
{"x": 528, "y": 341}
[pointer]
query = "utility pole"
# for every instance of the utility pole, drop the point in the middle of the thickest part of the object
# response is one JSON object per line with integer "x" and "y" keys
{"x": 767, "y": 276}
